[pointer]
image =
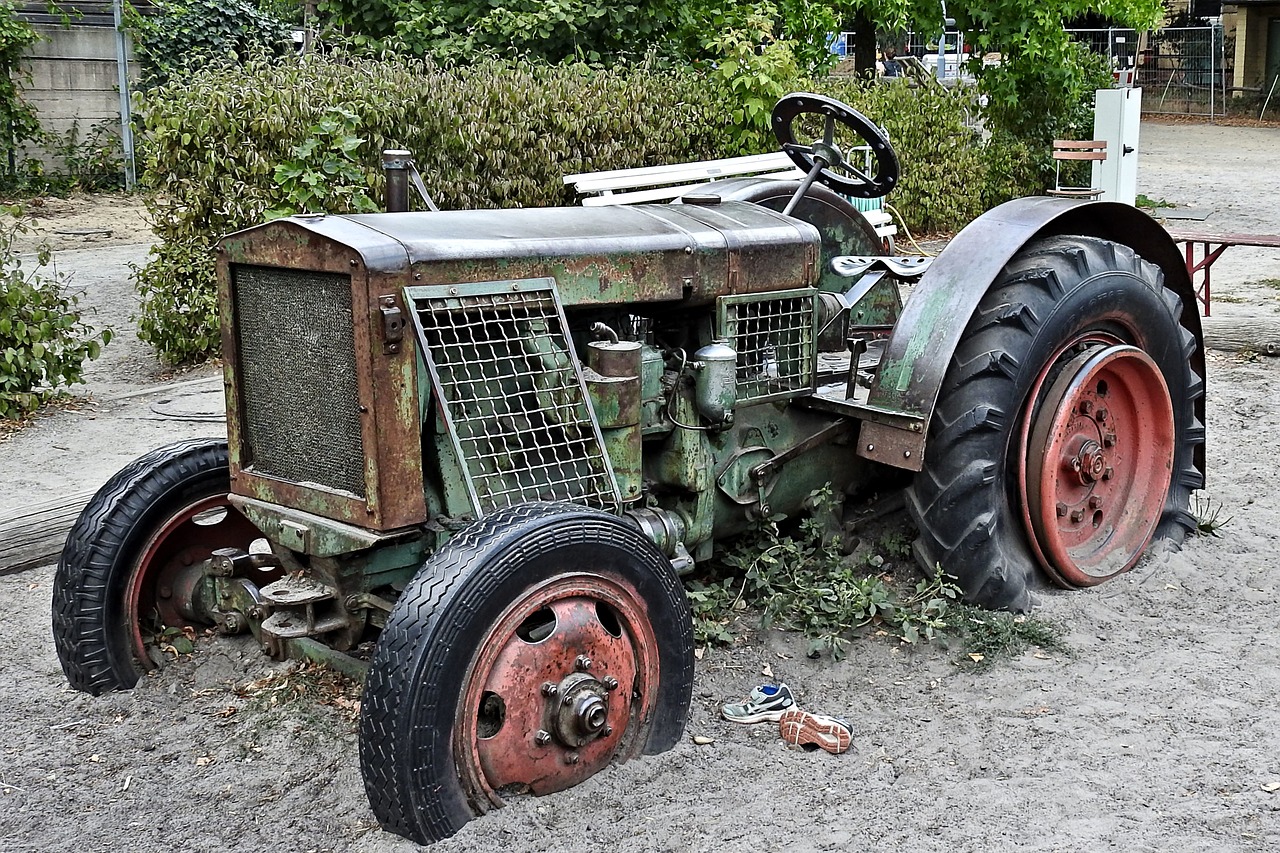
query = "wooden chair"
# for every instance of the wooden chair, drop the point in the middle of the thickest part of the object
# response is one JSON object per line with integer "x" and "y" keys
{"x": 1066, "y": 151}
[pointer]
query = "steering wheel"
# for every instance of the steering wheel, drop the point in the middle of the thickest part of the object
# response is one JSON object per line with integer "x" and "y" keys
{"x": 822, "y": 159}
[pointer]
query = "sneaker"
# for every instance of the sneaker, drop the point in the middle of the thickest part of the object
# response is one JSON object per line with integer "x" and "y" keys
{"x": 801, "y": 728}
{"x": 767, "y": 703}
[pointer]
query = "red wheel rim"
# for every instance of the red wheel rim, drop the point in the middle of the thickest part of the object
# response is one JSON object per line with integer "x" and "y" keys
{"x": 164, "y": 582}
{"x": 1097, "y": 462}
{"x": 564, "y": 682}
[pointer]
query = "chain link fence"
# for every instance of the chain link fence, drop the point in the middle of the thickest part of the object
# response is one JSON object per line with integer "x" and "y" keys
{"x": 1181, "y": 70}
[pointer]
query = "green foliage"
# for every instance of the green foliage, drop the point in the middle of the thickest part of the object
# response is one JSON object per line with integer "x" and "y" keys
{"x": 180, "y": 36}
{"x": 1208, "y": 516}
{"x": 324, "y": 173}
{"x": 44, "y": 343}
{"x": 18, "y": 122}
{"x": 803, "y": 582}
{"x": 990, "y": 636}
{"x": 485, "y": 136}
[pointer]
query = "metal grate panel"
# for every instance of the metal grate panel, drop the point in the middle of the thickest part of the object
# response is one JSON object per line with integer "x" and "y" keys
{"x": 773, "y": 335}
{"x": 297, "y": 369}
{"x": 513, "y": 396}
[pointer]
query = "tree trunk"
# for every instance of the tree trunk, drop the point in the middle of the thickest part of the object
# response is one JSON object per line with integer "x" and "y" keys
{"x": 864, "y": 44}
{"x": 1243, "y": 334}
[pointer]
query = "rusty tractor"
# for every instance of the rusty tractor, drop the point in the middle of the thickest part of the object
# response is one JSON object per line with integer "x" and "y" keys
{"x": 492, "y": 441}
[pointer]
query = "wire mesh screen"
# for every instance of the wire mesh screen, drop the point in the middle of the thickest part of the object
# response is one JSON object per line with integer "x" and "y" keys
{"x": 774, "y": 338}
{"x": 297, "y": 370}
{"x": 505, "y": 373}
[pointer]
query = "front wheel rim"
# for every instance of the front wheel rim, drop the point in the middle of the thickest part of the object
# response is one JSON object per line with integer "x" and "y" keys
{"x": 564, "y": 682}
{"x": 1097, "y": 464}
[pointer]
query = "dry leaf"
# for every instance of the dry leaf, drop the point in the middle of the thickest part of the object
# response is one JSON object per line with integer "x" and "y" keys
{"x": 203, "y": 761}
{"x": 1271, "y": 787}
{"x": 698, "y": 653}
{"x": 766, "y": 671}
{"x": 702, "y": 740}
{"x": 975, "y": 657}
{"x": 95, "y": 758}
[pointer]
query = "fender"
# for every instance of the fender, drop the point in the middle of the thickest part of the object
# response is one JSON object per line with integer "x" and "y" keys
{"x": 919, "y": 349}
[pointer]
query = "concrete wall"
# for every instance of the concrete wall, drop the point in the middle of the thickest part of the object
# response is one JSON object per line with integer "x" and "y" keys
{"x": 73, "y": 80}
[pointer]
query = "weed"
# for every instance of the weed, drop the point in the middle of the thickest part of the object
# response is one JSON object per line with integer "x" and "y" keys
{"x": 1209, "y": 518}
{"x": 1230, "y": 298}
{"x": 1152, "y": 203}
{"x": 802, "y": 581}
{"x": 1273, "y": 283}
{"x": 989, "y": 636}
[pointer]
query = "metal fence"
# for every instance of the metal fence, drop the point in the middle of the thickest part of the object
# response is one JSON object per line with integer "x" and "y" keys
{"x": 1182, "y": 70}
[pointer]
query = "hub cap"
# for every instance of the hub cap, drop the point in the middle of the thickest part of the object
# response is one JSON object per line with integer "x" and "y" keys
{"x": 564, "y": 681}
{"x": 1097, "y": 462}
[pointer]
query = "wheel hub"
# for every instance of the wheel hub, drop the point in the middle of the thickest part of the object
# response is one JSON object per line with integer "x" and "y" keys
{"x": 1097, "y": 462}
{"x": 582, "y": 713}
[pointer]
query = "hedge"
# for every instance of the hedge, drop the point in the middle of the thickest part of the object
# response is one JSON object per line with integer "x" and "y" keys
{"x": 489, "y": 136}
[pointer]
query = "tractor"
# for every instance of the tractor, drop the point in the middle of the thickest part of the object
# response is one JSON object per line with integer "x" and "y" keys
{"x": 470, "y": 453}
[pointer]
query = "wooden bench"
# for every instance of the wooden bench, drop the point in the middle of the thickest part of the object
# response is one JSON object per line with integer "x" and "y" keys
{"x": 1213, "y": 244}
{"x": 667, "y": 183}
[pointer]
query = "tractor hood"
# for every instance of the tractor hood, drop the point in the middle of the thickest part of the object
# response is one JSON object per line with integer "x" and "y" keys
{"x": 602, "y": 255}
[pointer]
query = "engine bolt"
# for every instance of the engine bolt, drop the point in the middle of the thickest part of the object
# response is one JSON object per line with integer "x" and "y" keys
{"x": 549, "y": 689}
{"x": 583, "y": 663}
{"x": 542, "y": 738}
{"x": 610, "y": 683}
{"x": 571, "y": 758}
{"x": 1061, "y": 509}
{"x": 1077, "y": 515}
{"x": 1094, "y": 502}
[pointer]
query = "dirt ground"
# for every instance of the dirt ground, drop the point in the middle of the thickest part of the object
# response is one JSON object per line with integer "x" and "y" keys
{"x": 1159, "y": 732}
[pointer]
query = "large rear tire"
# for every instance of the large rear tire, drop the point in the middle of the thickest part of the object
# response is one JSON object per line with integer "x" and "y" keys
{"x": 537, "y": 646}
{"x": 1065, "y": 431}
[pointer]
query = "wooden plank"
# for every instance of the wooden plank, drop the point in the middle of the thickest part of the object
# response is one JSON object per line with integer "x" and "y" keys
{"x": 751, "y": 162}
{"x": 1188, "y": 235}
{"x": 34, "y": 535}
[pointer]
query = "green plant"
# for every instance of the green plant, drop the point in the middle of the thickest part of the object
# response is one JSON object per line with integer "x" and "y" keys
{"x": 1209, "y": 518}
{"x": 990, "y": 635}
{"x": 44, "y": 343}
{"x": 801, "y": 581}
{"x": 1152, "y": 203}
{"x": 18, "y": 122}
{"x": 324, "y": 174}
{"x": 181, "y": 36}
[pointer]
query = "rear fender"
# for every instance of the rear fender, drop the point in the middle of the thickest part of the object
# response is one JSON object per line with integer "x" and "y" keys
{"x": 919, "y": 350}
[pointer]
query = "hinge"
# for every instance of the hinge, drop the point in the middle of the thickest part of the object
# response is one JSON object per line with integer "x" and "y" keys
{"x": 392, "y": 325}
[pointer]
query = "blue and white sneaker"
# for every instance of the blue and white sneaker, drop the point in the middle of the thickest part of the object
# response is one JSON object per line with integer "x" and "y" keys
{"x": 766, "y": 704}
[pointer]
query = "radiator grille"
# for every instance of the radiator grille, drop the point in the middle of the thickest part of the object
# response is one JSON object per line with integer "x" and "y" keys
{"x": 297, "y": 367}
{"x": 514, "y": 401}
{"x": 773, "y": 335}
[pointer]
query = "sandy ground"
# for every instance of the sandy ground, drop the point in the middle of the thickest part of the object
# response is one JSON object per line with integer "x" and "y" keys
{"x": 1159, "y": 732}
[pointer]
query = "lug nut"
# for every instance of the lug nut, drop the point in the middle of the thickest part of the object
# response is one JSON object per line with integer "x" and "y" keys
{"x": 610, "y": 683}
{"x": 1094, "y": 502}
{"x": 606, "y": 731}
{"x": 549, "y": 689}
{"x": 1061, "y": 509}
{"x": 567, "y": 700}
{"x": 1102, "y": 415}
{"x": 1109, "y": 440}
{"x": 1077, "y": 515}
{"x": 571, "y": 758}
{"x": 542, "y": 738}
{"x": 1086, "y": 406}
{"x": 1107, "y": 474}
{"x": 583, "y": 663}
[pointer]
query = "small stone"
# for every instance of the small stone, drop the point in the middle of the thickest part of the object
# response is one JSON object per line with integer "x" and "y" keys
{"x": 703, "y": 740}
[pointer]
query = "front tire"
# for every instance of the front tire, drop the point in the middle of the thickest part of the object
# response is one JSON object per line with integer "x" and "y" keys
{"x": 537, "y": 646}
{"x": 1065, "y": 431}
{"x": 138, "y": 543}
